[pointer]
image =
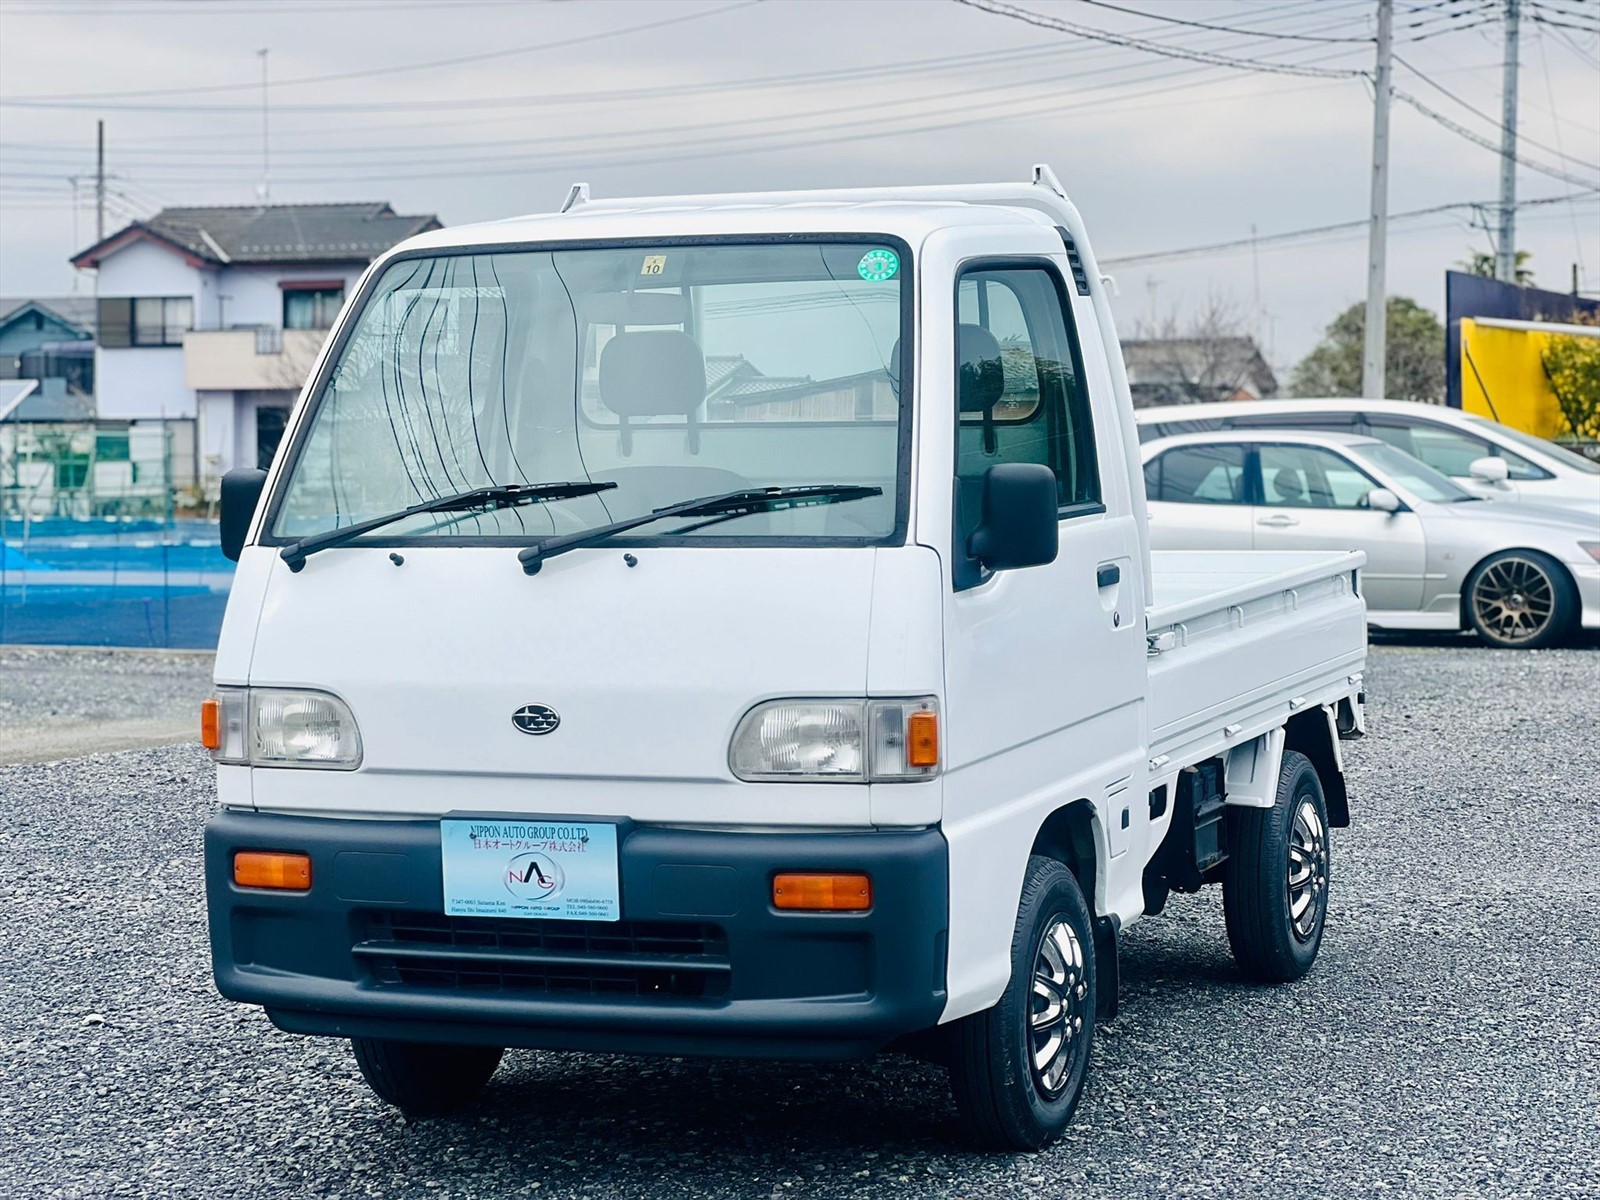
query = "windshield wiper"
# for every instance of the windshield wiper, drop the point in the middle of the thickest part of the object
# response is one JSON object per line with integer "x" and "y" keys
{"x": 487, "y": 499}
{"x": 718, "y": 508}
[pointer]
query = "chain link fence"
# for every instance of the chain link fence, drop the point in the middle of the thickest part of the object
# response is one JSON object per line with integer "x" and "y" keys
{"x": 106, "y": 539}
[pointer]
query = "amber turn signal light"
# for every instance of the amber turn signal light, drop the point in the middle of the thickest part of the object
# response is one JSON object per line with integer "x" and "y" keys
{"x": 270, "y": 869}
{"x": 815, "y": 892}
{"x": 922, "y": 739}
{"x": 210, "y": 723}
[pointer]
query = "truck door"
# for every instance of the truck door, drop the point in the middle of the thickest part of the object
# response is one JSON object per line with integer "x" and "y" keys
{"x": 1314, "y": 499}
{"x": 1044, "y": 666}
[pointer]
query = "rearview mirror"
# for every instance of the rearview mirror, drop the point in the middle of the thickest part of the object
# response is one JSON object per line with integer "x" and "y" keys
{"x": 1489, "y": 469}
{"x": 1383, "y": 500}
{"x": 241, "y": 490}
{"x": 1021, "y": 524}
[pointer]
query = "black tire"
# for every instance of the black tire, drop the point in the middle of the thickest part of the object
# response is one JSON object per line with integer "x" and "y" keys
{"x": 1004, "y": 1102}
{"x": 425, "y": 1080}
{"x": 1520, "y": 600}
{"x": 1278, "y": 857}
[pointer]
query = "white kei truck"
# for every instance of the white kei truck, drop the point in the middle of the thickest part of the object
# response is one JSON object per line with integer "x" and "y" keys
{"x": 726, "y": 625}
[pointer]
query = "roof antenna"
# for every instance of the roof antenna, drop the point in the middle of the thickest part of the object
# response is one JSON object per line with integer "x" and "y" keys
{"x": 576, "y": 195}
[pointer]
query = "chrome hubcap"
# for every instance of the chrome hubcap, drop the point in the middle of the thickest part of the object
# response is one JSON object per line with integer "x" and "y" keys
{"x": 1060, "y": 993}
{"x": 1308, "y": 870}
{"x": 1514, "y": 599}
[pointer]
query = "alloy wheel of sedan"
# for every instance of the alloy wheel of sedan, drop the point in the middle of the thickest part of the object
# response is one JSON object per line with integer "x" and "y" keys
{"x": 1514, "y": 598}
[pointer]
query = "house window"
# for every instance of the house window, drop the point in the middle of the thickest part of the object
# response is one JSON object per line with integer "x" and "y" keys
{"x": 145, "y": 321}
{"x": 311, "y": 308}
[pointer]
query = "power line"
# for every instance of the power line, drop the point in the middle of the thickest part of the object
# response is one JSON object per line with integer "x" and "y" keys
{"x": 54, "y": 100}
{"x": 1028, "y": 17}
{"x": 1296, "y": 37}
{"x": 1478, "y": 112}
{"x": 1477, "y": 139}
{"x": 1297, "y": 235}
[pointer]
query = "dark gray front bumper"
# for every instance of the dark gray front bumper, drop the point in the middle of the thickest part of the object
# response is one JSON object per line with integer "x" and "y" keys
{"x": 699, "y": 964}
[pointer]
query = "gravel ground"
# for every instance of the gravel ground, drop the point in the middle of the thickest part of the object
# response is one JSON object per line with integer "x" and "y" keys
{"x": 1446, "y": 1045}
{"x": 58, "y": 702}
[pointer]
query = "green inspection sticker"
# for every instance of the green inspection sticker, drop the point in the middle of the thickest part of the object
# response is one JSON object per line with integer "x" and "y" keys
{"x": 877, "y": 265}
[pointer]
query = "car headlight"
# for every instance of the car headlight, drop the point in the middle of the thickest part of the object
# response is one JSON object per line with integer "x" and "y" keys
{"x": 281, "y": 727}
{"x": 1592, "y": 549}
{"x": 843, "y": 741}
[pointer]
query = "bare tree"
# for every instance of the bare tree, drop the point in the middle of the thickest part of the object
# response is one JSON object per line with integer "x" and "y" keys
{"x": 1208, "y": 356}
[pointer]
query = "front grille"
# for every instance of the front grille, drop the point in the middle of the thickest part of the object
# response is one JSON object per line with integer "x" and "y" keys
{"x": 611, "y": 959}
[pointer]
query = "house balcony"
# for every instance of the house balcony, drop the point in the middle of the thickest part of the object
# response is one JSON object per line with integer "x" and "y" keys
{"x": 253, "y": 359}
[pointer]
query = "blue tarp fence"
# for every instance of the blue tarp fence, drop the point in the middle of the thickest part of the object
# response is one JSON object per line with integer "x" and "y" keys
{"x": 112, "y": 583}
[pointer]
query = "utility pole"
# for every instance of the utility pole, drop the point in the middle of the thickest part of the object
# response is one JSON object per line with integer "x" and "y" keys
{"x": 99, "y": 181}
{"x": 1374, "y": 348}
{"x": 266, "y": 171}
{"x": 1505, "y": 263}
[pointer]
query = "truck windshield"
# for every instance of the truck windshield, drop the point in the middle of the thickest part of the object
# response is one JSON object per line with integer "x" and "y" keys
{"x": 673, "y": 371}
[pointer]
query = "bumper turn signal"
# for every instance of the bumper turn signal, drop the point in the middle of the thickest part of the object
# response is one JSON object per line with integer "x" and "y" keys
{"x": 270, "y": 869}
{"x": 816, "y": 892}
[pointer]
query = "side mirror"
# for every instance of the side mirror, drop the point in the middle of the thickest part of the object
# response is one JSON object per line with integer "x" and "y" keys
{"x": 1489, "y": 469}
{"x": 1383, "y": 500}
{"x": 241, "y": 490}
{"x": 1021, "y": 525}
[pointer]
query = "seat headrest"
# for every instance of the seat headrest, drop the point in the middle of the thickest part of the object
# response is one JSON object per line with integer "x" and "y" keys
{"x": 1287, "y": 484}
{"x": 982, "y": 377}
{"x": 652, "y": 373}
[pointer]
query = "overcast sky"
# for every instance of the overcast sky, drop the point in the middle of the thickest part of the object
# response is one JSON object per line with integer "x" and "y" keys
{"x": 698, "y": 95}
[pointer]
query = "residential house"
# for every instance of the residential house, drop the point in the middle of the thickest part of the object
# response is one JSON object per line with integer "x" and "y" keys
{"x": 48, "y": 342}
{"x": 217, "y": 314}
{"x": 1196, "y": 370}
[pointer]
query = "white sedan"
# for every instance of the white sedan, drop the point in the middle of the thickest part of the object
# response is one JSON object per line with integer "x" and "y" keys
{"x": 1438, "y": 557}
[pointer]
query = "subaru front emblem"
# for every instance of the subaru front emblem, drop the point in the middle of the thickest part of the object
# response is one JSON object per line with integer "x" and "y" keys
{"x": 536, "y": 718}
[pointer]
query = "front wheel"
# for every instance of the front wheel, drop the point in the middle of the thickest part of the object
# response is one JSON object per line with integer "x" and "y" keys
{"x": 1017, "y": 1069}
{"x": 425, "y": 1080}
{"x": 1275, "y": 885}
{"x": 1520, "y": 600}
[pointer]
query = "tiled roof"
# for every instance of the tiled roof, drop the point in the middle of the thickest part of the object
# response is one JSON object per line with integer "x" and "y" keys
{"x": 276, "y": 233}
{"x": 74, "y": 310}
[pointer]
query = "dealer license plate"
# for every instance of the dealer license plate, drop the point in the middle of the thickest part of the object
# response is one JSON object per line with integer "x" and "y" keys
{"x": 506, "y": 867}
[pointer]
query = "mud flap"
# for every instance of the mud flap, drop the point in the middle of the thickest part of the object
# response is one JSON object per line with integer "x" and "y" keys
{"x": 1106, "y": 932}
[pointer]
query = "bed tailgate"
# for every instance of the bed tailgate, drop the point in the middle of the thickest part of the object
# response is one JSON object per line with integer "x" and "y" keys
{"x": 1240, "y": 640}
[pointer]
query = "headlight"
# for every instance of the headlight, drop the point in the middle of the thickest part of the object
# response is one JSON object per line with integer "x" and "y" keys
{"x": 282, "y": 727}
{"x": 845, "y": 741}
{"x": 1592, "y": 549}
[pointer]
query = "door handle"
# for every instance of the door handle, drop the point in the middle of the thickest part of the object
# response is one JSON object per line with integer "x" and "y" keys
{"x": 1108, "y": 575}
{"x": 1278, "y": 521}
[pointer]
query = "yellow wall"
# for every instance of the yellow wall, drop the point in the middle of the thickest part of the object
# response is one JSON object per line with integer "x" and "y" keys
{"x": 1508, "y": 360}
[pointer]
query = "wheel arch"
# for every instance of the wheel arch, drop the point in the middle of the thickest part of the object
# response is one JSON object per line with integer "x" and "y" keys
{"x": 1074, "y": 837}
{"x": 1315, "y": 734}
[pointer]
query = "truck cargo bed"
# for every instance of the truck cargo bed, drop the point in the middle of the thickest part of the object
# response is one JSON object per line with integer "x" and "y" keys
{"x": 1240, "y": 640}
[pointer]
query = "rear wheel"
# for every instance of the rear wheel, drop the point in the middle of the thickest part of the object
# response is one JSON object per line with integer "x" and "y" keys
{"x": 422, "y": 1079}
{"x": 1520, "y": 600}
{"x": 1275, "y": 885}
{"x": 1017, "y": 1069}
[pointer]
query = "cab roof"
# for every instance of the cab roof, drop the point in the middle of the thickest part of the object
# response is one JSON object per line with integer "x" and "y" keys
{"x": 910, "y": 213}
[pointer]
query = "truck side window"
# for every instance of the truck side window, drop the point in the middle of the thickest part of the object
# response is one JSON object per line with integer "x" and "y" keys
{"x": 1197, "y": 475}
{"x": 1020, "y": 387}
